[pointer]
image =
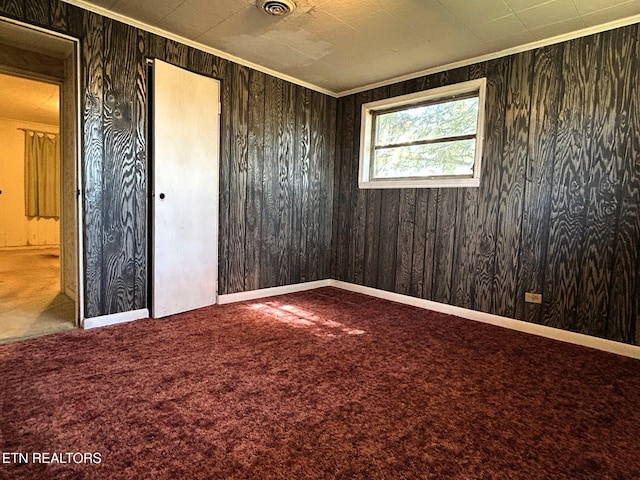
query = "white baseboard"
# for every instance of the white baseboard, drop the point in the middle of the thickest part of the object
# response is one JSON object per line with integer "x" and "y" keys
{"x": 610, "y": 346}
{"x": 532, "y": 328}
{"x": 115, "y": 318}
{"x": 271, "y": 292}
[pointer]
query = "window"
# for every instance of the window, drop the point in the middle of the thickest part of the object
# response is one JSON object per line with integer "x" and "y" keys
{"x": 425, "y": 139}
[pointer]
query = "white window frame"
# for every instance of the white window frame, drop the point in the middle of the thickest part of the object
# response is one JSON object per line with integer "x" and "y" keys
{"x": 366, "y": 140}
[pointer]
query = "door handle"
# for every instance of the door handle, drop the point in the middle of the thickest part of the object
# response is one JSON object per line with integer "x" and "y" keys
{"x": 162, "y": 195}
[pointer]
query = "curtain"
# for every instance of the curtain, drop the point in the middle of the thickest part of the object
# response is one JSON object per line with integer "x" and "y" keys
{"x": 41, "y": 174}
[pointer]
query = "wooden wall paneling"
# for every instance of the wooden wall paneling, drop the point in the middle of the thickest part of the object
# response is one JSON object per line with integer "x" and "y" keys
{"x": 359, "y": 198}
{"x": 206, "y": 64}
{"x": 570, "y": 178}
{"x": 93, "y": 158}
{"x": 58, "y": 15}
{"x": 13, "y": 9}
{"x": 255, "y": 164}
{"x": 404, "y": 245}
{"x": 177, "y": 53}
{"x": 303, "y": 193}
{"x": 512, "y": 179}
{"x": 388, "y": 232}
{"x": 445, "y": 230}
{"x": 140, "y": 188}
{"x": 609, "y": 135}
{"x": 372, "y": 236}
{"x": 345, "y": 245}
{"x": 37, "y": 12}
{"x": 545, "y": 98}
{"x": 625, "y": 296}
{"x": 624, "y": 289}
{"x": 381, "y": 93}
{"x": 623, "y": 322}
{"x": 337, "y": 167}
{"x": 312, "y": 229}
{"x": 463, "y": 281}
{"x": 459, "y": 245}
{"x": 157, "y": 47}
{"x": 300, "y": 139}
{"x": 490, "y": 184}
{"x": 119, "y": 196}
{"x": 226, "y": 139}
{"x": 238, "y": 177}
{"x": 326, "y": 179}
{"x": 286, "y": 184}
{"x": 428, "y": 280}
{"x": 74, "y": 20}
{"x": 270, "y": 205}
{"x": 299, "y": 180}
{"x": 416, "y": 286}
{"x": 350, "y": 132}
{"x": 200, "y": 62}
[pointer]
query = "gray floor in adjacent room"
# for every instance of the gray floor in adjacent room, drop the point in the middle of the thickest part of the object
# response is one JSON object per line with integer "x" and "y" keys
{"x": 31, "y": 304}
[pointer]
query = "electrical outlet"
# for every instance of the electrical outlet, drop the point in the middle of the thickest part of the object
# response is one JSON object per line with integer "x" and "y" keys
{"x": 530, "y": 297}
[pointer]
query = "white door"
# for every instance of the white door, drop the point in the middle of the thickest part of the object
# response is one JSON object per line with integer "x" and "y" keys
{"x": 186, "y": 139}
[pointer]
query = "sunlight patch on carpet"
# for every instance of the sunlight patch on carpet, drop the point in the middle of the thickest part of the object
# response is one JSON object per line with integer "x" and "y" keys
{"x": 298, "y": 317}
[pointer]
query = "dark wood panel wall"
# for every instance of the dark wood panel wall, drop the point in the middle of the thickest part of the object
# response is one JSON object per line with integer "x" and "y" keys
{"x": 277, "y": 147}
{"x": 558, "y": 209}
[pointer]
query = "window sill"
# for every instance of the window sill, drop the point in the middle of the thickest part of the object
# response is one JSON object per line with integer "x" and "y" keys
{"x": 420, "y": 183}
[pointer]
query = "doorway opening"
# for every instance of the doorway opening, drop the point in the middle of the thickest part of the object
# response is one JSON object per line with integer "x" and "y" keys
{"x": 40, "y": 283}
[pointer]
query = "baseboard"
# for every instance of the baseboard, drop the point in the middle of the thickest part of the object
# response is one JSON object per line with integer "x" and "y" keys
{"x": 610, "y": 346}
{"x": 519, "y": 325}
{"x": 270, "y": 292}
{"x": 115, "y": 318}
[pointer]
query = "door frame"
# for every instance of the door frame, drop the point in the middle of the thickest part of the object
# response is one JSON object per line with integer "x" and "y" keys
{"x": 70, "y": 141}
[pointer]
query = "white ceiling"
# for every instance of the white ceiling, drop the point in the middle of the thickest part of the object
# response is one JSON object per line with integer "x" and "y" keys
{"x": 29, "y": 100}
{"x": 344, "y": 45}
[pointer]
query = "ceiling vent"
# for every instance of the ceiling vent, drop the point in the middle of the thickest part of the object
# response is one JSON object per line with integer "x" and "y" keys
{"x": 277, "y": 8}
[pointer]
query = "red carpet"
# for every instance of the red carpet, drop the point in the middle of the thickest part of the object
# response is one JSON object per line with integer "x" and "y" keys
{"x": 317, "y": 385}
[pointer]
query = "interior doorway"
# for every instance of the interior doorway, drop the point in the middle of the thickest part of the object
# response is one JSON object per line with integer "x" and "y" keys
{"x": 40, "y": 283}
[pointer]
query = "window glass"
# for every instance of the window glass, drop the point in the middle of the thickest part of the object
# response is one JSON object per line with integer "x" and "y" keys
{"x": 434, "y": 159}
{"x": 426, "y": 139}
{"x": 428, "y": 122}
